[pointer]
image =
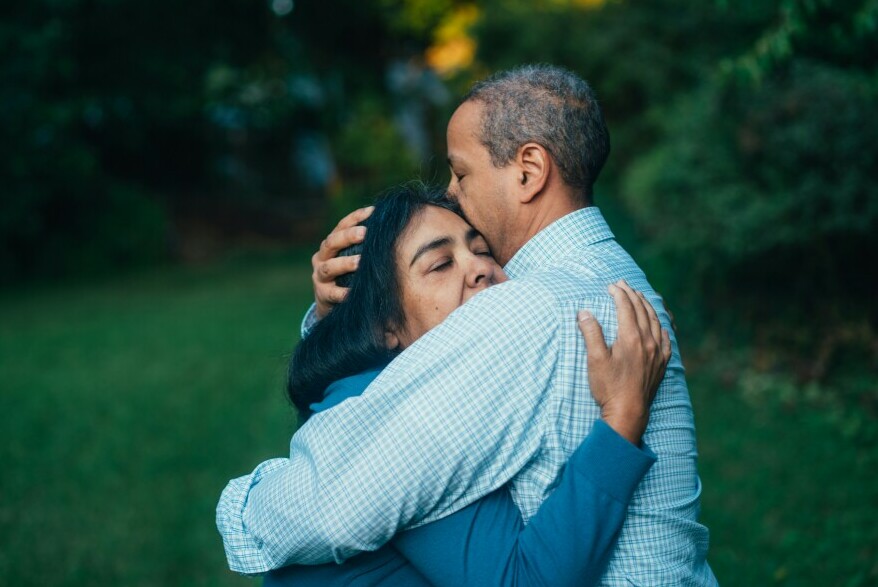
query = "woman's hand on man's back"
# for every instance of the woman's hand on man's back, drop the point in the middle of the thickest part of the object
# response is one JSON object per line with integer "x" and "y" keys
{"x": 624, "y": 377}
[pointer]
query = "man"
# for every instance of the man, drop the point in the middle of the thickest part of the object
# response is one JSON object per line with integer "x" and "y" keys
{"x": 457, "y": 415}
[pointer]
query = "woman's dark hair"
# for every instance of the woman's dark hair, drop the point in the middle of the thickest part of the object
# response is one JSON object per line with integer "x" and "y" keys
{"x": 350, "y": 339}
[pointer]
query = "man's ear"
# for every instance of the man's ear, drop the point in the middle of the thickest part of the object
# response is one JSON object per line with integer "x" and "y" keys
{"x": 391, "y": 340}
{"x": 534, "y": 166}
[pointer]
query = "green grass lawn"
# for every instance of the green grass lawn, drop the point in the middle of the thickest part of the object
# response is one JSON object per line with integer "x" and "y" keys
{"x": 789, "y": 499}
{"x": 127, "y": 405}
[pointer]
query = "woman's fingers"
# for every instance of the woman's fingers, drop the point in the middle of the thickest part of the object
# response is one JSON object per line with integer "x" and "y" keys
{"x": 655, "y": 326}
{"x": 666, "y": 346}
{"x": 624, "y": 309}
{"x": 595, "y": 344}
{"x": 639, "y": 310}
{"x": 670, "y": 314}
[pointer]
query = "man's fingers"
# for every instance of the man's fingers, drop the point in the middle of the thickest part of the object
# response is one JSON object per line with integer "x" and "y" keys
{"x": 591, "y": 330}
{"x": 335, "y": 294}
{"x": 340, "y": 239}
{"x": 354, "y": 218}
{"x": 624, "y": 309}
{"x": 329, "y": 271}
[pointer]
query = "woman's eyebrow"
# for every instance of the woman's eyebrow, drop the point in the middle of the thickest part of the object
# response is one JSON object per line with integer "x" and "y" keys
{"x": 471, "y": 235}
{"x": 430, "y": 246}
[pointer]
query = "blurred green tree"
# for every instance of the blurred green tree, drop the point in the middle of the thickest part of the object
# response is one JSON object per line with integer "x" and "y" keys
{"x": 758, "y": 194}
{"x": 124, "y": 120}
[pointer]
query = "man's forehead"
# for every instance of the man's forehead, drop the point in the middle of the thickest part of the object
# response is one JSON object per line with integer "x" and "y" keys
{"x": 463, "y": 131}
{"x": 466, "y": 119}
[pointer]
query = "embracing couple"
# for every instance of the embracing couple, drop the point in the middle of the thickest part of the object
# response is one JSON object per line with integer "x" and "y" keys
{"x": 538, "y": 433}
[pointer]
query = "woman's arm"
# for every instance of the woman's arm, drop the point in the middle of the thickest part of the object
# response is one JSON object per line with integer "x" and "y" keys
{"x": 568, "y": 541}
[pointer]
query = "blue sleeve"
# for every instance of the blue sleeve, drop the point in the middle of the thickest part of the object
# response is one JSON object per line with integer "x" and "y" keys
{"x": 568, "y": 541}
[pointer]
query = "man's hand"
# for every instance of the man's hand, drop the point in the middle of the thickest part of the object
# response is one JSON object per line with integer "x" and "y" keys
{"x": 624, "y": 378}
{"x": 327, "y": 266}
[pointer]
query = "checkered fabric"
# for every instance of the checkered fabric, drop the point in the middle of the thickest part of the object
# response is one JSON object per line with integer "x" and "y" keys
{"x": 497, "y": 393}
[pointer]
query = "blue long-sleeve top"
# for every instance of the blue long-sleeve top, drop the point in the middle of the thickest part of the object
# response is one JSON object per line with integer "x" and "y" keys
{"x": 567, "y": 542}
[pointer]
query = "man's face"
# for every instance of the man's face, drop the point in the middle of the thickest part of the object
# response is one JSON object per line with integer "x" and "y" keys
{"x": 478, "y": 186}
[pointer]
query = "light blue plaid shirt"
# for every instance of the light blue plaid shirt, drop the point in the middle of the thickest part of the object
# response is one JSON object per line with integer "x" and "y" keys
{"x": 497, "y": 392}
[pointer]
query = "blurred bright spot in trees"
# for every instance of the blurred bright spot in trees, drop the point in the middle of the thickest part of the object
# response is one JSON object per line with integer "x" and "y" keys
{"x": 454, "y": 47}
{"x": 588, "y": 3}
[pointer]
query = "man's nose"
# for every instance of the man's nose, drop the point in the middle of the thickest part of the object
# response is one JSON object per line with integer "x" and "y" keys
{"x": 451, "y": 191}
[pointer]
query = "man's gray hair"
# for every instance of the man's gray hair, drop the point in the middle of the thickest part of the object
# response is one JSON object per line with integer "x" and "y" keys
{"x": 550, "y": 106}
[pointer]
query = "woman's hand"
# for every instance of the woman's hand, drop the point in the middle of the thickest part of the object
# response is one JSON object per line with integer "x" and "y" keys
{"x": 328, "y": 266}
{"x": 624, "y": 377}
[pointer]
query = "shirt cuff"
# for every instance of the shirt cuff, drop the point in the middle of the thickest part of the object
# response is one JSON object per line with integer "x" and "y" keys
{"x": 244, "y": 551}
{"x": 309, "y": 321}
{"x": 611, "y": 462}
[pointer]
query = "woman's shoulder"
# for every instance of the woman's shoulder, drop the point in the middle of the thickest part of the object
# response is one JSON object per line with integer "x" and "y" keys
{"x": 345, "y": 388}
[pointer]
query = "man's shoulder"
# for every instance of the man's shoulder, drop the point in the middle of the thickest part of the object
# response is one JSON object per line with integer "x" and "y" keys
{"x": 515, "y": 300}
{"x": 585, "y": 273}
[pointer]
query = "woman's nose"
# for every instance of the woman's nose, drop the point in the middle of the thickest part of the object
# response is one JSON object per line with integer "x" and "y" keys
{"x": 481, "y": 272}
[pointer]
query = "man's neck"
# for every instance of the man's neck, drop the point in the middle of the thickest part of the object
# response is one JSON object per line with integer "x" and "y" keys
{"x": 546, "y": 216}
{"x": 552, "y": 207}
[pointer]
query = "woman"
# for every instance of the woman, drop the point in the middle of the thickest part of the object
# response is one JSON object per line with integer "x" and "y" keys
{"x": 419, "y": 262}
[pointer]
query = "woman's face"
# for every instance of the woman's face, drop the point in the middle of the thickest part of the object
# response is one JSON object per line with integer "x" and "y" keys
{"x": 442, "y": 262}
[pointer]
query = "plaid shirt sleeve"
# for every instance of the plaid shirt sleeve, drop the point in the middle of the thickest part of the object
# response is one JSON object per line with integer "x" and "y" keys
{"x": 230, "y": 521}
{"x": 456, "y": 416}
{"x": 309, "y": 320}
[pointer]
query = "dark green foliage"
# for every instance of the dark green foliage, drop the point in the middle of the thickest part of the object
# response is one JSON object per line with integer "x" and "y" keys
{"x": 119, "y": 115}
{"x": 757, "y": 201}
{"x": 101, "y": 106}
{"x": 766, "y": 176}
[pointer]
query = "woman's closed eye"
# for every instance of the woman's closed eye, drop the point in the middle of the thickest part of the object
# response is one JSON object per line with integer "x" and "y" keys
{"x": 441, "y": 265}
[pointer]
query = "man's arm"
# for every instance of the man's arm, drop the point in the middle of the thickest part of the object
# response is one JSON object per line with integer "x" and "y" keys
{"x": 453, "y": 418}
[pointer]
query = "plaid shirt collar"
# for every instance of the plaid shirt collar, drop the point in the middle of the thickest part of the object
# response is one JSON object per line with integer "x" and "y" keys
{"x": 569, "y": 233}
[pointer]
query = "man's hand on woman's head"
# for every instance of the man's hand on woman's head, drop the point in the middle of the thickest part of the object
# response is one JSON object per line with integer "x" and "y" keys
{"x": 624, "y": 377}
{"x": 328, "y": 266}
